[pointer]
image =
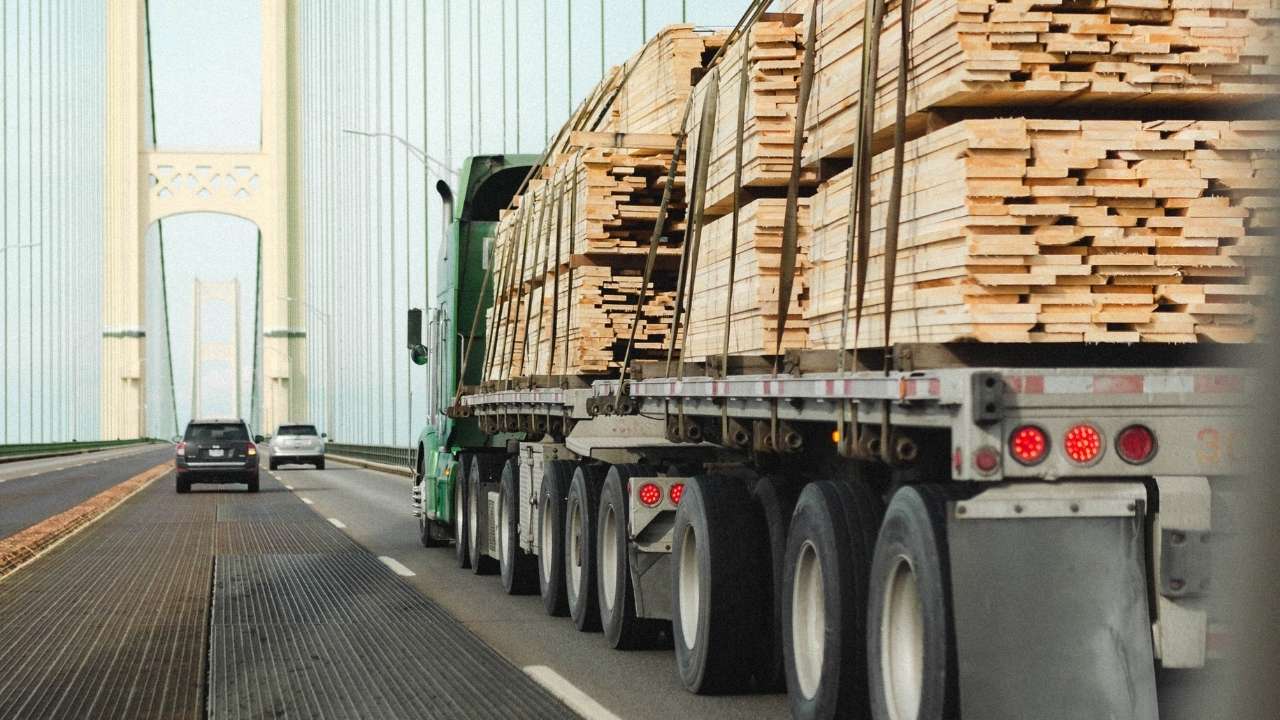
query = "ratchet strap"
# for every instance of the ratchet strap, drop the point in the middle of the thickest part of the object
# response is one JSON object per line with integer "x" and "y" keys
{"x": 743, "y": 83}
{"x": 573, "y": 223}
{"x": 789, "y": 220}
{"x": 555, "y": 287}
{"x": 537, "y": 251}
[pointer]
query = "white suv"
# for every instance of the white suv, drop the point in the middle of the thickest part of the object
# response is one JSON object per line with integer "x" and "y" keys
{"x": 297, "y": 444}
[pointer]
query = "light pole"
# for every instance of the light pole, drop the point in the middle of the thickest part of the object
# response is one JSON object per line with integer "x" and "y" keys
{"x": 328, "y": 360}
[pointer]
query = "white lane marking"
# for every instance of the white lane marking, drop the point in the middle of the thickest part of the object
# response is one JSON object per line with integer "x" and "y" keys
{"x": 396, "y": 566}
{"x": 288, "y": 487}
{"x": 568, "y": 693}
{"x": 307, "y": 501}
{"x": 337, "y": 523}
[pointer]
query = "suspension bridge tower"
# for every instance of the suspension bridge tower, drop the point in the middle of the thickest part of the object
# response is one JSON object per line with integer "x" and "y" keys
{"x": 144, "y": 184}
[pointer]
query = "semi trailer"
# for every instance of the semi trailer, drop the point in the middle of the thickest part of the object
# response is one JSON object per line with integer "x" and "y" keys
{"x": 978, "y": 531}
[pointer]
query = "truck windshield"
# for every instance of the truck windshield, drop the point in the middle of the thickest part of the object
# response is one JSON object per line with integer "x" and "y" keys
{"x": 297, "y": 430}
{"x": 217, "y": 432}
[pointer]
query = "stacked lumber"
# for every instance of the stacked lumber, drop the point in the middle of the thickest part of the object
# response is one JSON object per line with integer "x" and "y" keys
{"x": 772, "y": 50}
{"x": 660, "y": 80}
{"x": 1065, "y": 53}
{"x": 753, "y": 319}
{"x": 1020, "y": 230}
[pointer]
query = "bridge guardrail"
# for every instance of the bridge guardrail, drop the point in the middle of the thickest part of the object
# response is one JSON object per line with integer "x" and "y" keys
{"x": 384, "y": 454}
{"x": 23, "y": 451}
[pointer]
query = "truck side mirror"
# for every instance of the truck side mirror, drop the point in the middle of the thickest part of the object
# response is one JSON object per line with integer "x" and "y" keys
{"x": 418, "y": 353}
{"x": 324, "y": 435}
{"x": 257, "y": 439}
{"x": 414, "y": 334}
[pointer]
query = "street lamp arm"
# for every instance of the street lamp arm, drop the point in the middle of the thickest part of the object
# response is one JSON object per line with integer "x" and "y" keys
{"x": 414, "y": 150}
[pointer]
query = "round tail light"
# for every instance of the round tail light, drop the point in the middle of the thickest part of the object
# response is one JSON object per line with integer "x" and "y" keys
{"x": 650, "y": 495}
{"x": 1029, "y": 444}
{"x": 677, "y": 492}
{"x": 1082, "y": 443}
{"x": 1136, "y": 444}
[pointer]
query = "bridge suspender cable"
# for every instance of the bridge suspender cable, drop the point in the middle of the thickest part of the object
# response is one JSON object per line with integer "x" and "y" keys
{"x": 164, "y": 280}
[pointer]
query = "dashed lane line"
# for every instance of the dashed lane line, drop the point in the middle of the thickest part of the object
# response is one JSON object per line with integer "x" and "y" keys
{"x": 568, "y": 693}
{"x": 396, "y": 566}
{"x": 288, "y": 487}
{"x": 337, "y": 523}
{"x": 307, "y": 501}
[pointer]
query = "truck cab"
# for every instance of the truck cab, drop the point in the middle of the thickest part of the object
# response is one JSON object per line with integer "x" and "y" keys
{"x": 438, "y": 335}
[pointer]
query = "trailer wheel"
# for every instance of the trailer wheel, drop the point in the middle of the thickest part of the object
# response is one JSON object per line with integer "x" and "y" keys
{"x": 910, "y": 647}
{"x": 556, "y": 477}
{"x": 622, "y": 628}
{"x": 462, "y": 553}
{"x": 719, "y": 586}
{"x": 776, "y": 498}
{"x": 824, "y": 605}
{"x": 483, "y": 468}
{"x": 580, "y": 547}
{"x": 516, "y": 567}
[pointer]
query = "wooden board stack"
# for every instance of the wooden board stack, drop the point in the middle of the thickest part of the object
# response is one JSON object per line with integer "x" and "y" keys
{"x": 753, "y": 322}
{"x": 1072, "y": 54}
{"x": 583, "y": 226}
{"x": 1019, "y": 230}
{"x": 661, "y": 77}
{"x": 773, "y": 49}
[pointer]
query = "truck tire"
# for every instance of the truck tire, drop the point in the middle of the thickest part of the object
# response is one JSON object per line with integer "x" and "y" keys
{"x": 580, "y": 547}
{"x": 719, "y": 587}
{"x": 556, "y": 477}
{"x": 183, "y": 486}
{"x": 273, "y": 464}
{"x": 320, "y": 464}
{"x": 910, "y": 640}
{"x": 776, "y": 499}
{"x": 461, "y": 480}
{"x": 824, "y": 605}
{"x": 622, "y": 628}
{"x": 428, "y": 530}
{"x": 483, "y": 469}
{"x": 252, "y": 482}
{"x": 516, "y": 567}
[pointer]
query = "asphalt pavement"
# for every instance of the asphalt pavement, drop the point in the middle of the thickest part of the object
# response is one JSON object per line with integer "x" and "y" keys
{"x": 373, "y": 508}
{"x": 32, "y": 490}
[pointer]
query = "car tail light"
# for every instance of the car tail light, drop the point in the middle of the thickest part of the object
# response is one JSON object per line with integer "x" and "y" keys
{"x": 253, "y": 449}
{"x": 1136, "y": 444}
{"x": 650, "y": 495}
{"x": 1028, "y": 444}
{"x": 677, "y": 492}
{"x": 1082, "y": 443}
{"x": 182, "y": 448}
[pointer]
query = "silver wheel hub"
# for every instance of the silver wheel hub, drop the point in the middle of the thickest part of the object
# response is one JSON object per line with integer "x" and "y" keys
{"x": 504, "y": 530}
{"x": 690, "y": 590}
{"x": 902, "y": 642}
{"x": 546, "y": 541}
{"x": 609, "y": 556}
{"x": 574, "y": 550}
{"x": 808, "y": 620}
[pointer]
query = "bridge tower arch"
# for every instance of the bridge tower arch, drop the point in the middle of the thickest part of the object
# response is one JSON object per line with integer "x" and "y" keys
{"x": 145, "y": 184}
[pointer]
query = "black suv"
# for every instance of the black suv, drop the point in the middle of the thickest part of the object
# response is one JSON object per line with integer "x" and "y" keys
{"x": 217, "y": 451}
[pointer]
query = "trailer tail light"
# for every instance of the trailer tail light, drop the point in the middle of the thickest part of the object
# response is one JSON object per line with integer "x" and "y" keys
{"x": 677, "y": 492}
{"x": 1082, "y": 443}
{"x": 1136, "y": 444}
{"x": 1028, "y": 444}
{"x": 650, "y": 495}
{"x": 182, "y": 449}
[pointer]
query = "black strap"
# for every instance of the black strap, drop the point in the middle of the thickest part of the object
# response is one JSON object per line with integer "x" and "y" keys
{"x": 894, "y": 214}
{"x": 537, "y": 251}
{"x": 744, "y": 78}
{"x": 555, "y": 288}
{"x": 790, "y": 221}
{"x": 573, "y": 224}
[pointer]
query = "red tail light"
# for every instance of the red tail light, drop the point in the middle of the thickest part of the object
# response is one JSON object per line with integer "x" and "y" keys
{"x": 677, "y": 492}
{"x": 1082, "y": 443}
{"x": 182, "y": 448}
{"x": 1136, "y": 444}
{"x": 1028, "y": 444}
{"x": 650, "y": 495}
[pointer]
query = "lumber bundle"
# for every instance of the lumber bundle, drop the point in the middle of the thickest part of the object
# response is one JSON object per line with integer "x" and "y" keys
{"x": 1023, "y": 230}
{"x": 661, "y": 77}
{"x": 753, "y": 320}
{"x": 1069, "y": 54}
{"x": 772, "y": 50}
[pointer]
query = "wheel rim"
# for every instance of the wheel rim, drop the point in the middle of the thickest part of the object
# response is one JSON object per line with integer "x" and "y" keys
{"x": 473, "y": 517}
{"x": 457, "y": 510}
{"x": 690, "y": 586}
{"x": 546, "y": 540}
{"x": 574, "y": 549}
{"x": 608, "y": 556}
{"x": 808, "y": 619}
{"x": 504, "y": 531}
{"x": 902, "y": 642}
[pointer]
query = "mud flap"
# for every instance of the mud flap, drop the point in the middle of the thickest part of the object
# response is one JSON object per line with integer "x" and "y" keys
{"x": 1050, "y": 607}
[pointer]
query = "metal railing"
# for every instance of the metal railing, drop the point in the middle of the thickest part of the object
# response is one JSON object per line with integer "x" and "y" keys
{"x": 397, "y": 456}
{"x": 35, "y": 450}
